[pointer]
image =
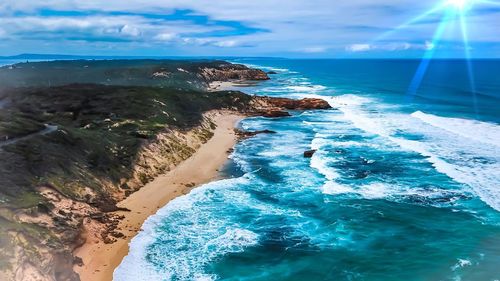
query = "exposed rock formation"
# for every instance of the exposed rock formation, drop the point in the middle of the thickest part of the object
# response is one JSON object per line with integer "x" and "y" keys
{"x": 227, "y": 72}
{"x": 303, "y": 104}
{"x": 309, "y": 153}
{"x": 275, "y": 107}
{"x": 273, "y": 113}
{"x": 248, "y": 134}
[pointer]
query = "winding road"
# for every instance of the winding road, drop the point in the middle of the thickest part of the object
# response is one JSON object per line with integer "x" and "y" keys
{"x": 48, "y": 129}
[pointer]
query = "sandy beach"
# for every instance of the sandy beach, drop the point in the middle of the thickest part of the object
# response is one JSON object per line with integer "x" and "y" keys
{"x": 101, "y": 259}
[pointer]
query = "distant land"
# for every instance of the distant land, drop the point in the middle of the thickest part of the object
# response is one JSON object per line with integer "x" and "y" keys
{"x": 77, "y": 57}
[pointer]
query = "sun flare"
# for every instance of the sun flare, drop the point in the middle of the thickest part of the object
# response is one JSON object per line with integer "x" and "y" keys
{"x": 459, "y": 4}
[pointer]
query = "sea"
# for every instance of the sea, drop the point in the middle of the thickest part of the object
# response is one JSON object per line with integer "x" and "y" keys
{"x": 404, "y": 184}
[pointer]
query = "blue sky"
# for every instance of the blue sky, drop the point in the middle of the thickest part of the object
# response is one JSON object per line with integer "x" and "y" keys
{"x": 284, "y": 28}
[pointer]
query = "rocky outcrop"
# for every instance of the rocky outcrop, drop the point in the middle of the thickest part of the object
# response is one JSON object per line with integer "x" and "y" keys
{"x": 309, "y": 153}
{"x": 292, "y": 104}
{"x": 272, "y": 107}
{"x": 228, "y": 72}
{"x": 274, "y": 113}
{"x": 247, "y": 134}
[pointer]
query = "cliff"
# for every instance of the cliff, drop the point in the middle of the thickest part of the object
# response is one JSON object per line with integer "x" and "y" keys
{"x": 71, "y": 152}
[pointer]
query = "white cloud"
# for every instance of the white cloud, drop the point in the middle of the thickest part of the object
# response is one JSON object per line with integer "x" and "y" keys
{"x": 315, "y": 49}
{"x": 130, "y": 30}
{"x": 429, "y": 45}
{"x": 389, "y": 47}
{"x": 165, "y": 36}
{"x": 298, "y": 26}
{"x": 358, "y": 48}
{"x": 226, "y": 43}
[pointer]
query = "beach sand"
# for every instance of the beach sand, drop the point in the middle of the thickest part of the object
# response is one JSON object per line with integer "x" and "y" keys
{"x": 101, "y": 259}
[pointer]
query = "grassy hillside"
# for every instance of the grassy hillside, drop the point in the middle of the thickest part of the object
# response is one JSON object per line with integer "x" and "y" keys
{"x": 91, "y": 155}
{"x": 76, "y": 137}
{"x": 157, "y": 73}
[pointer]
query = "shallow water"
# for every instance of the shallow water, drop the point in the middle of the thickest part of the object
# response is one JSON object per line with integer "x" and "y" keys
{"x": 403, "y": 186}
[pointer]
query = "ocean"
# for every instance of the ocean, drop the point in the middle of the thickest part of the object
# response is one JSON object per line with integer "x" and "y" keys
{"x": 405, "y": 183}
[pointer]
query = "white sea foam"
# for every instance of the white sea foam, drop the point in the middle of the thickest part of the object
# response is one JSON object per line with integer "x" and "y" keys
{"x": 479, "y": 131}
{"x": 192, "y": 238}
{"x": 455, "y": 151}
{"x": 265, "y": 68}
{"x": 381, "y": 190}
{"x": 320, "y": 163}
{"x": 302, "y": 88}
{"x": 368, "y": 191}
{"x": 461, "y": 263}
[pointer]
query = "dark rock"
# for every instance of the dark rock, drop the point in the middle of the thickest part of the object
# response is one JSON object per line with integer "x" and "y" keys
{"x": 43, "y": 208}
{"x": 275, "y": 113}
{"x": 78, "y": 261}
{"x": 247, "y": 134}
{"x": 108, "y": 240}
{"x": 122, "y": 209}
{"x": 100, "y": 217}
{"x": 272, "y": 72}
{"x": 309, "y": 153}
{"x": 117, "y": 234}
{"x": 138, "y": 134}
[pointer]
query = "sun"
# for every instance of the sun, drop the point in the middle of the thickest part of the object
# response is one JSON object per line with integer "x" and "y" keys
{"x": 458, "y": 4}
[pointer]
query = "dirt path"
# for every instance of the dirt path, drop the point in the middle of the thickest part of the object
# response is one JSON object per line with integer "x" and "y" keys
{"x": 48, "y": 129}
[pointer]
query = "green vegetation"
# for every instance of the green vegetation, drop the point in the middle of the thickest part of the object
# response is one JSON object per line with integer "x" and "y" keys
{"x": 158, "y": 73}
{"x": 100, "y": 129}
{"x": 80, "y": 128}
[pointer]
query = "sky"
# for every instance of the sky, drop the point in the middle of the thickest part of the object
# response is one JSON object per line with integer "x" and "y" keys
{"x": 276, "y": 28}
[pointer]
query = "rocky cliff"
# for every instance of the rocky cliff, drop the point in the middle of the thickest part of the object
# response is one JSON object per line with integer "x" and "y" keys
{"x": 70, "y": 153}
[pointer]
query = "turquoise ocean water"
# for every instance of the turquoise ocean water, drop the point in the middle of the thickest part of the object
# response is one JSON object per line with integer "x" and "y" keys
{"x": 405, "y": 185}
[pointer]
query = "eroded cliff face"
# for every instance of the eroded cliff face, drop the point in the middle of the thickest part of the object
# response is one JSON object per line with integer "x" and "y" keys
{"x": 43, "y": 251}
{"x": 228, "y": 72}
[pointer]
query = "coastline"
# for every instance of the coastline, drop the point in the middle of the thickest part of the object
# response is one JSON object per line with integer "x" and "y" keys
{"x": 100, "y": 259}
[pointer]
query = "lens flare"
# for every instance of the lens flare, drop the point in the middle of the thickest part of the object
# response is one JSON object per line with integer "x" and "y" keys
{"x": 459, "y": 4}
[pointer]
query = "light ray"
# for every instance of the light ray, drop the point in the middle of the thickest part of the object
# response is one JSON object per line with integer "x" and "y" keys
{"x": 495, "y": 3}
{"x": 426, "y": 59}
{"x": 470, "y": 69}
{"x": 438, "y": 8}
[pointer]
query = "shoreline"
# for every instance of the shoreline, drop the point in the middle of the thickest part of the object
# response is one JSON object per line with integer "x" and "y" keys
{"x": 100, "y": 259}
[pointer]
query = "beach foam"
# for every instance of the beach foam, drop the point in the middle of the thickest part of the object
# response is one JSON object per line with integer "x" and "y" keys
{"x": 478, "y": 131}
{"x": 176, "y": 242}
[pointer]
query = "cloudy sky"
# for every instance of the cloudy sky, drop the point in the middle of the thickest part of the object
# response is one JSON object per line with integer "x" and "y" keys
{"x": 285, "y": 28}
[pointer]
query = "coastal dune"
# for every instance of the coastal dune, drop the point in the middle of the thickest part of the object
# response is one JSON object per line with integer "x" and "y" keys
{"x": 100, "y": 259}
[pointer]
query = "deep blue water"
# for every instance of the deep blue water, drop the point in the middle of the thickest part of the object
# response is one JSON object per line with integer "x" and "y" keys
{"x": 403, "y": 186}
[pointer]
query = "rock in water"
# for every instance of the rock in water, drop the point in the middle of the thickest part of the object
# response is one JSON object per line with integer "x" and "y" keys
{"x": 309, "y": 153}
{"x": 248, "y": 134}
{"x": 275, "y": 113}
